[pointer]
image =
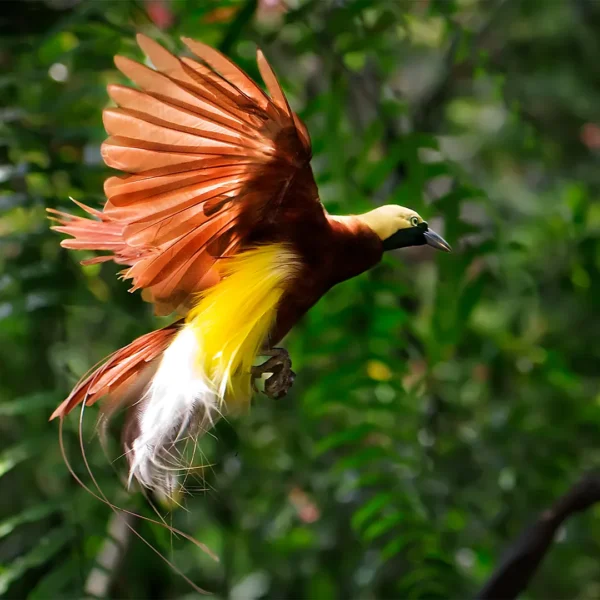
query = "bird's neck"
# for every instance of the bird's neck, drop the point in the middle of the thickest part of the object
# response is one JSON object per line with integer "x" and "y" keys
{"x": 358, "y": 247}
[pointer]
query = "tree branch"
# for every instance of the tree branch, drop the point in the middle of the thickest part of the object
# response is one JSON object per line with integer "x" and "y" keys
{"x": 524, "y": 557}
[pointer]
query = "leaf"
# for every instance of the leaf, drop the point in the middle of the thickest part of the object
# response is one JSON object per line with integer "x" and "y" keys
{"x": 361, "y": 457}
{"x": 383, "y": 525}
{"x": 424, "y": 140}
{"x": 29, "y": 515}
{"x": 25, "y": 404}
{"x": 41, "y": 553}
{"x": 415, "y": 534}
{"x": 345, "y": 436}
{"x": 394, "y": 547}
{"x": 370, "y": 480}
{"x": 469, "y": 298}
{"x": 381, "y": 170}
{"x": 11, "y": 457}
{"x": 371, "y": 136}
{"x": 53, "y": 584}
{"x": 321, "y": 586}
{"x": 370, "y": 509}
{"x": 436, "y": 169}
{"x": 416, "y": 578}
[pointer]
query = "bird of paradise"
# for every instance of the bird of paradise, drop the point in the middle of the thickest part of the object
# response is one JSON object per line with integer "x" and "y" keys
{"x": 217, "y": 218}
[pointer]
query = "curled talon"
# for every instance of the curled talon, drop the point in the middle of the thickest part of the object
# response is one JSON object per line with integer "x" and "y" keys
{"x": 278, "y": 385}
{"x": 282, "y": 377}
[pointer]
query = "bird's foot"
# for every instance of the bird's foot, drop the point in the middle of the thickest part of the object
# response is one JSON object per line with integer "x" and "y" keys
{"x": 282, "y": 377}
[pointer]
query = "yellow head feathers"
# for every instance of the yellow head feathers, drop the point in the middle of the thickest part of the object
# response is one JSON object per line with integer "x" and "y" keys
{"x": 387, "y": 220}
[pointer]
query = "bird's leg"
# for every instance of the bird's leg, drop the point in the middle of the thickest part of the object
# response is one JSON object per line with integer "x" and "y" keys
{"x": 280, "y": 366}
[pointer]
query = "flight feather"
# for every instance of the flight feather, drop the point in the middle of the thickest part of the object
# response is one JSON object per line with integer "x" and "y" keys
{"x": 207, "y": 155}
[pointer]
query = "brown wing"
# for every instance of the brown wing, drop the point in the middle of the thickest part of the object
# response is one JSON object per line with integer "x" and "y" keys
{"x": 208, "y": 156}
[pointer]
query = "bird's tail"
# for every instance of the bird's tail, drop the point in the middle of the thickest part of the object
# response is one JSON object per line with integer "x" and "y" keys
{"x": 177, "y": 381}
{"x": 124, "y": 378}
{"x": 124, "y": 381}
{"x": 121, "y": 373}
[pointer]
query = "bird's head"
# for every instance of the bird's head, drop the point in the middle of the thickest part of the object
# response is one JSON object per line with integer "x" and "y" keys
{"x": 399, "y": 227}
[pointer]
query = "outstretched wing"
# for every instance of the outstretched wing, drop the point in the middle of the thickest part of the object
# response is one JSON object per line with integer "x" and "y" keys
{"x": 208, "y": 156}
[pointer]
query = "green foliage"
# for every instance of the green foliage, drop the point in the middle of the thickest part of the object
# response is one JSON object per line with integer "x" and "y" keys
{"x": 441, "y": 400}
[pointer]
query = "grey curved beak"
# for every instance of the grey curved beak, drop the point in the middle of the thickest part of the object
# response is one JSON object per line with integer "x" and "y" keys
{"x": 436, "y": 241}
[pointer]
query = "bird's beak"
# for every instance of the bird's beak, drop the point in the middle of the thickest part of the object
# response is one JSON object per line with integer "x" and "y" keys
{"x": 436, "y": 241}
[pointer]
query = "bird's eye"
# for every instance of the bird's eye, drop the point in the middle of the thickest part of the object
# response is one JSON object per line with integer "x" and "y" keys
{"x": 414, "y": 221}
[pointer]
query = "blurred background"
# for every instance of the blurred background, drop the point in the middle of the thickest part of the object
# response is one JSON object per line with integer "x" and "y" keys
{"x": 442, "y": 401}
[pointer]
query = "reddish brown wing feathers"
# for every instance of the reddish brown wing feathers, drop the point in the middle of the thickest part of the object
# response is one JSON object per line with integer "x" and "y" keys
{"x": 208, "y": 154}
{"x": 100, "y": 234}
{"x": 121, "y": 370}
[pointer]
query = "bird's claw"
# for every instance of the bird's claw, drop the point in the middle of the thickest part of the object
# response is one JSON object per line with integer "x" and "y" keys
{"x": 282, "y": 377}
{"x": 279, "y": 384}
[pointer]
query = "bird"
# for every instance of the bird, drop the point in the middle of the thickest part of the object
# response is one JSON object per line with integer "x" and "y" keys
{"x": 216, "y": 217}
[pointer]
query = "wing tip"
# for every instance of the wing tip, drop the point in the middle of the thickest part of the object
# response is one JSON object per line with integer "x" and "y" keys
{"x": 121, "y": 61}
{"x": 142, "y": 38}
{"x": 126, "y": 64}
{"x": 199, "y": 48}
{"x": 115, "y": 88}
{"x": 156, "y": 52}
{"x": 188, "y": 41}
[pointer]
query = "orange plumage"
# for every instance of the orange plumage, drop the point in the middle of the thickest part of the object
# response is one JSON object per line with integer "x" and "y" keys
{"x": 214, "y": 168}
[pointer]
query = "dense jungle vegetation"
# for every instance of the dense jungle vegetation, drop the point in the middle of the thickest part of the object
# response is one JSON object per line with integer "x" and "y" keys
{"x": 442, "y": 401}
